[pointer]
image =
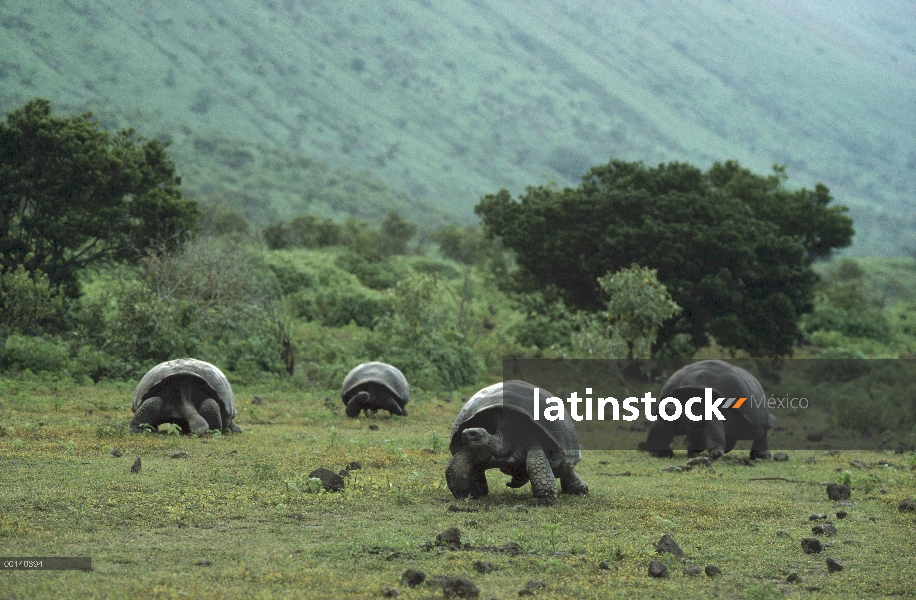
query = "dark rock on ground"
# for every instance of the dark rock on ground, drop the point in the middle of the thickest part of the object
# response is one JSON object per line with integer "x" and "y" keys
{"x": 520, "y": 508}
{"x": 834, "y": 565}
{"x": 373, "y": 427}
{"x": 413, "y": 577}
{"x": 841, "y": 514}
{"x": 257, "y": 400}
{"x": 793, "y": 578}
{"x": 657, "y": 569}
{"x": 179, "y": 454}
{"x": 816, "y": 517}
{"x": 780, "y": 457}
{"x": 117, "y": 453}
{"x": 449, "y": 537}
{"x": 667, "y": 544}
{"x": 816, "y": 436}
{"x": 535, "y": 585}
{"x": 354, "y": 466}
{"x": 860, "y": 464}
{"x": 604, "y": 565}
{"x": 204, "y": 563}
{"x": 825, "y": 529}
{"x": 344, "y": 473}
{"x": 811, "y": 545}
{"x": 459, "y": 587}
{"x": 330, "y": 480}
{"x": 692, "y": 570}
{"x": 713, "y": 570}
{"x": 484, "y": 567}
{"x": 673, "y": 469}
{"x": 781, "y": 533}
{"x": 838, "y": 491}
{"x": 699, "y": 460}
{"x": 135, "y": 468}
{"x": 460, "y": 508}
{"x": 743, "y": 460}
{"x": 907, "y": 504}
{"x": 811, "y": 460}
{"x": 390, "y": 592}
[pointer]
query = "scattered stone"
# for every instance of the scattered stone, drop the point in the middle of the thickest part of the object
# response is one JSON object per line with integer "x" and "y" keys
{"x": 117, "y": 453}
{"x": 413, "y": 577}
{"x": 604, "y": 565}
{"x": 885, "y": 463}
{"x": 783, "y": 534}
{"x": 667, "y": 544}
{"x": 459, "y": 508}
{"x": 135, "y": 468}
{"x": 354, "y": 465}
{"x": 257, "y": 400}
{"x": 511, "y": 548}
{"x": 179, "y": 454}
{"x": 204, "y": 563}
{"x": 811, "y": 460}
{"x": 833, "y": 453}
{"x": 604, "y": 462}
{"x": 535, "y": 585}
{"x": 390, "y": 592}
{"x": 344, "y": 473}
{"x": 657, "y": 569}
{"x": 699, "y": 461}
{"x": 908, "y": 504}
{"x": 873, "y": 519}
{"x": 860, "y": 464}
{"x": 816, "y": 517}
{"x": 780, "y": 457}
{"x": 449, "y": 537}
{"x": 520, "y": 508}
{"x": 373, "y": 427}
{"x": 813, "y": 588}
{"x": 712, "y": 570}
{"x": 672, "y": 469}
{"x": 825, "y": 529}
{"x": 811, "y": 545}
{"x": 459, "y": 587}
{"x": 330, "y": 480}
{"x": 793, "y": 578}
{"x": 692, "y": 570}
{"x": 841, "y": 514}
{"x": 483, "y": 567}
{"x": 525, "y": 592}
{"x": 838, "y": 491}
{"x": 834, "y": 565}
{"x": 816, "y": 436}
{"x": 743, "y": 460}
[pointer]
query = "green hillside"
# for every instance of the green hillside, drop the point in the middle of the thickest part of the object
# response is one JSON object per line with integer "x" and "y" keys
{"x": 446, "y": 101}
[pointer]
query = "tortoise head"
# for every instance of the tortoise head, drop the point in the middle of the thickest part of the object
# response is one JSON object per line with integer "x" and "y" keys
{"x": 481, "y": 443}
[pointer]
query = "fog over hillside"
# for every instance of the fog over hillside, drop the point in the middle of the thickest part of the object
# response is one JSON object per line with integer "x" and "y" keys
{"x": 445, "y": 101}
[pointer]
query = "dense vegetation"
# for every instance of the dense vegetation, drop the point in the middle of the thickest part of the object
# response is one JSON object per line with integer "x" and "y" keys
{"x": 433, "y": 104}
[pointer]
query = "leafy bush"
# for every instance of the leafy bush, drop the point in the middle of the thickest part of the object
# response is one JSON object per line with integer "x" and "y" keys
{"x": 28, "y": 302}
{"x": 35, "y": 354}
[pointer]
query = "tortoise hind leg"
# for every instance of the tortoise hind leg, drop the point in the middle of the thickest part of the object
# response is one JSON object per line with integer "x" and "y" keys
{"x": 543, "y": 483}
{"x": 149, "y": 413}
{"x": 761, "y": 447}
{"x": 209, "y": 410}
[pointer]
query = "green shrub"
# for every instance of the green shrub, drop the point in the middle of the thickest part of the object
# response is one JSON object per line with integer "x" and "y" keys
{"x": 35, "y": 354}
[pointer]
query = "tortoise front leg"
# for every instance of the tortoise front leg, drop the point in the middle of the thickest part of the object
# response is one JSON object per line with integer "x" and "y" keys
{"x": 464, "y": 478}
{"x": 209, "y": 410}
{"x": 715, "y": 439}
{"x": 658, "y": 441}
{"x": 391, "y": 405}
{"x": 357, "y": 403}
{"x": 196, "y": 423}
{"x": 570, "y": 482}
{"x": 543, "y": 483}
{"x": 761, "y": 447}
{"x": 148, "y": 413}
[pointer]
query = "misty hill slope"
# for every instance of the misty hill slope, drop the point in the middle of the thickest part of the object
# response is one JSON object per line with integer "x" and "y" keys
{"x": 446, "y": 101}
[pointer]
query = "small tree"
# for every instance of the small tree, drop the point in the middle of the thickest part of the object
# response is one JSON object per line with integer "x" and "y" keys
{"x": 72, "y": 194}
{"x": 637, "y": 306}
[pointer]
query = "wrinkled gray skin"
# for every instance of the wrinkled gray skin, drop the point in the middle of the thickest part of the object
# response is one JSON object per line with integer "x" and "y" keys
{"x": 190, "y": 393}
{"x": 749, "y": 422}
{"x": 375, "y": 386}
{"x": 478, "y": 443}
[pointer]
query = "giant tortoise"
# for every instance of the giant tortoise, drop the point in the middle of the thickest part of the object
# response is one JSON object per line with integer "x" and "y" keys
{"x": 495, "y": 429}
{"x": 750, "y": 421}
{"x": 190, "y": 393}
{"x": 374, "y": 386}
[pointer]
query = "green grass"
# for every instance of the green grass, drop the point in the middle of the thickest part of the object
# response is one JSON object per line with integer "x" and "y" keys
{"x": 241, "y": 503}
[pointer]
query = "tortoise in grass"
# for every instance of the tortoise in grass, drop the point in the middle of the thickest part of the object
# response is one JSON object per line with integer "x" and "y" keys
{"x": 375, "y": 386}
{"x": 190, "y": 393}
{"x": 751, "y": 421}
{"x": 496, "y": 430}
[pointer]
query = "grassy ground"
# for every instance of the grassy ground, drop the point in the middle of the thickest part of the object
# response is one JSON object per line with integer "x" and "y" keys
{"x": 242, "y": 504}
